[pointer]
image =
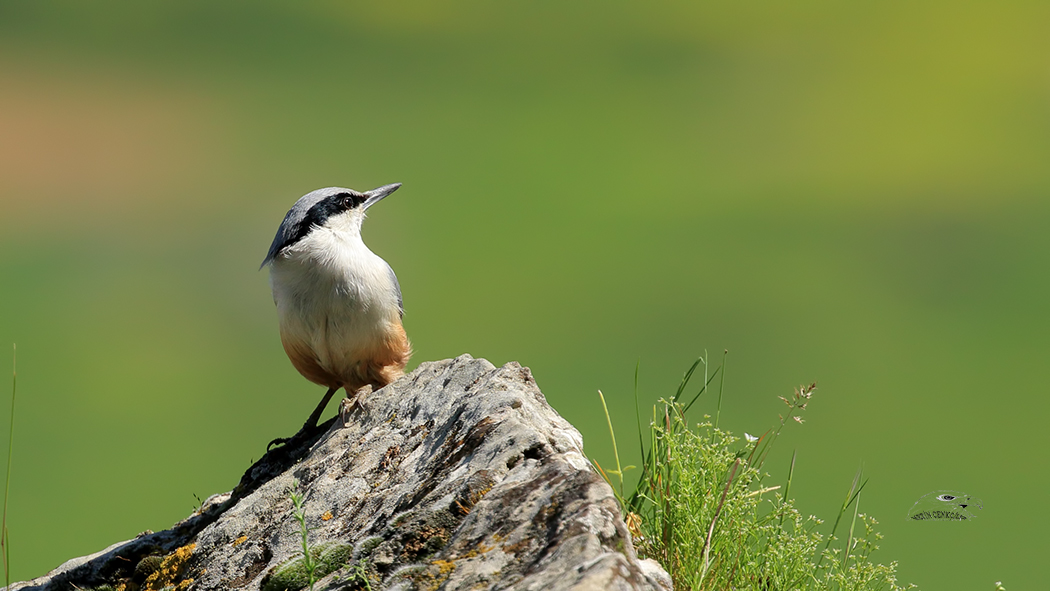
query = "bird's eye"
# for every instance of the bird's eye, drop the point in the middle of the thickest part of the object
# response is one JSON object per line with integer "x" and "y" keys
{"x": 946, "y": 497}
{"x": 348, "y": 201}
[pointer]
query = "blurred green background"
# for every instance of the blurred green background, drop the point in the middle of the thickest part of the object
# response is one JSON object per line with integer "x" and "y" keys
{"x": 849, "y": 193}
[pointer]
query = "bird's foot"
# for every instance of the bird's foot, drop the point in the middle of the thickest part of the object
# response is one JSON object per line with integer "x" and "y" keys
{"x": 348, "y": 405}
{"x": 310, "y": 427}
{"x": 305, "y": 433}
{"x": 279, "y": 441}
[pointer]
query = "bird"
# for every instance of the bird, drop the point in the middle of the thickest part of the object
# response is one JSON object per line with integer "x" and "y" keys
{"x": 339, "y": 305}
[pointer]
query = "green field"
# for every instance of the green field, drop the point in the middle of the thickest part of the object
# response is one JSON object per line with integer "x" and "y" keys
{"x": 853, "y": 194}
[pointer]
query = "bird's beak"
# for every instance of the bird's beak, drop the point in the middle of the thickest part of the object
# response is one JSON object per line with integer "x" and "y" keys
{"x": 376, "y": 195}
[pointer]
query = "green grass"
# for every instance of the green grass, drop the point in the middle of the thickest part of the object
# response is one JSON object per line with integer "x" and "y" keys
{"x": 703, "y": 508}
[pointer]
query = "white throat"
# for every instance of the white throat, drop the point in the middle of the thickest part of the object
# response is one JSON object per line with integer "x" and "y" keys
{"x": 332, "y": 291}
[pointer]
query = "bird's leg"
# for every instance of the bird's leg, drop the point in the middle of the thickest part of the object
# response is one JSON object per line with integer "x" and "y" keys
{"x": 315, "y": 416}
{"x": 311, "y": 421}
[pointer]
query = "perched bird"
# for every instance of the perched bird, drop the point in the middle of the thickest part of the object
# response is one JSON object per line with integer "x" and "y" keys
{"x": 338, "y": 304}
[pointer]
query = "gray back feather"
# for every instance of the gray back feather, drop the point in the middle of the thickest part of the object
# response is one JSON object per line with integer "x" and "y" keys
{"x": 397, "y": 290}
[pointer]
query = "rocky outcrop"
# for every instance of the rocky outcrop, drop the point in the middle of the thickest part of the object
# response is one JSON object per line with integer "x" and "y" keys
{"x": 457, "y": 476}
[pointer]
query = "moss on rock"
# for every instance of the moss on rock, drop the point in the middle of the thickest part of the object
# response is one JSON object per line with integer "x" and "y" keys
{"x": 292, "y": 575}
{"x": 146, "y": 567}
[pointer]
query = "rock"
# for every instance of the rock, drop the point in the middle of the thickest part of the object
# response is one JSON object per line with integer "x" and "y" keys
{"x": 457, "y": 476}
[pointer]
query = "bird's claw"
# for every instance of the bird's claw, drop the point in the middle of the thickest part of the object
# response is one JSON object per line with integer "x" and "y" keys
{"x": 278, "y": 441}
{"x": 351, "y": 403}
{"x": 307, "y": 431}
{"x": 345, "y": 407}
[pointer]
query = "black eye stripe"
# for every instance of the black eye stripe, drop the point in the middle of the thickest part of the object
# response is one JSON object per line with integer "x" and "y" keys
{"x": 348, "y": 200}
{"x": 319, "y": 213}
{"x": 329, "y": 206}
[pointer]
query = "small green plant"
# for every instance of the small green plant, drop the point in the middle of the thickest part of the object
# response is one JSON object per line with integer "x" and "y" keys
{"x": 309, "y": 561}
{"x": 359, "y": 574}
{"x": 702, "y": 509}
{"x": 199, "y": 506}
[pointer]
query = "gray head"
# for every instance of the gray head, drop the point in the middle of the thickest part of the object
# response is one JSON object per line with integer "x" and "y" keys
{"x": 315, "y": 208}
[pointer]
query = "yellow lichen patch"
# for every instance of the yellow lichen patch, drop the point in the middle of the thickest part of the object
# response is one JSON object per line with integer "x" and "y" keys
{"x": 481, "y": 549}
{"x": 169, "y": 570}
{"x": 444, "y": 566}
{"x": 327, "y": 515}
{"x": 239, "y": 541}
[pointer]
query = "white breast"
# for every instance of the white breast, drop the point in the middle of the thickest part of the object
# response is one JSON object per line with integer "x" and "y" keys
{"x": 334, "y": 295}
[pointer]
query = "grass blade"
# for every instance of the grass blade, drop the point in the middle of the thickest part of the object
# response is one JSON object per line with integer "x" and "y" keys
{"x": 616, "y": 451}
{"x": 714, "y": 520}
{"x": 5, "y": 545}
{"x": 702, "y": 390}
{"x": 721, "y": 386}
{"x": 787, "y": 486}
{"x": 686, "y": 378}
{"x": 638, "y": 411}
{"x": 854, "y": 492}
{"x": 852, "y": 525}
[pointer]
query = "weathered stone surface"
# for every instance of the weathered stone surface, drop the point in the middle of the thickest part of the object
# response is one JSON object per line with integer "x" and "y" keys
{"x": 457, "y": 476}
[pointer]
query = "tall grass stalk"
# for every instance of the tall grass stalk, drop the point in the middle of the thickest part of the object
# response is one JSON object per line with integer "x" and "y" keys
{"x": 616, "y": 454}
{"x": 714, "y": 520}
{"x": 5, "y": 544}
{"x": 852, "y": 495}
{"x": 721, "y": 387}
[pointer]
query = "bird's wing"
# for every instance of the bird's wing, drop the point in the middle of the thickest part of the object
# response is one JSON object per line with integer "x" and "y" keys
{"x": 292, "y": 229}
{"x": 397, "y": 290}
{"x": 298, "y": 221}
